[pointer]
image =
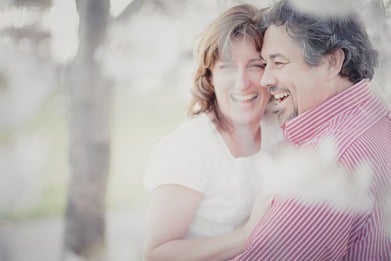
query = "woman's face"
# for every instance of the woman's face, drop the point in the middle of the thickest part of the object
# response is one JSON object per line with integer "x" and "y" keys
{"x": 236, "y": 80}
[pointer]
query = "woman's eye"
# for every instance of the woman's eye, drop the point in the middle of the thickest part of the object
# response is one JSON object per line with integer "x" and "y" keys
{"x": 256, "y": 65}
{"x": 259, "y": 65}
{"x": 226, "y": 66}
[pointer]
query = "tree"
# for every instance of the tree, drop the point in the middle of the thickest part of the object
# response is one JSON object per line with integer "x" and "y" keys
{"x": 90, "y": 95}
{"x": 89, "y": 136}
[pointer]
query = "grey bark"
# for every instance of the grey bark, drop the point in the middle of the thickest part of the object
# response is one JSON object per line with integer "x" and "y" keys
{"x": 90, "y": 107}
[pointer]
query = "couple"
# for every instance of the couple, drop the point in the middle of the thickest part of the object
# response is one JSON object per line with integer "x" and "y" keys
{"x": 203, "y": 175}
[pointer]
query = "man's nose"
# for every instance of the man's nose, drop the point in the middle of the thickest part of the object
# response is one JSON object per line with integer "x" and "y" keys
{"x": 268, "y": 78}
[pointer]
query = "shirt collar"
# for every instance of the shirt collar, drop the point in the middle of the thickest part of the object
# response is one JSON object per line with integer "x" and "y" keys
{"x": 306, "y": 125}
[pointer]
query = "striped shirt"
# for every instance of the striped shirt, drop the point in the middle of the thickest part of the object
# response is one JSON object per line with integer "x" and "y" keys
{"x": 290, "y": 230}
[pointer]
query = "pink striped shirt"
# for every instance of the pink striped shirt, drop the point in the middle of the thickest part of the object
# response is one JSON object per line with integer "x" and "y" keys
{"x": 290, "y": 230}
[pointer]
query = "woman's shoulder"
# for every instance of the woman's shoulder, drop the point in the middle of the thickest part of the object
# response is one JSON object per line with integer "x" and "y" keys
{"x": 180, "y": 157}
{"x": 195, "y": 131}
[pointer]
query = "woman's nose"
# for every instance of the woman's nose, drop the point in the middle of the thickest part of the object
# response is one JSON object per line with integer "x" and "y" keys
{"x": 242, "y": 80}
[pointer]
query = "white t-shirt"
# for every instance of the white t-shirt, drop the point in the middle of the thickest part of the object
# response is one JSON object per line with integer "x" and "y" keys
{"x": 195, "y": 156}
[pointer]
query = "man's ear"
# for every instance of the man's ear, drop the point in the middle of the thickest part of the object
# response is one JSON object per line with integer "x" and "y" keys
{"x": 335, "y": 62}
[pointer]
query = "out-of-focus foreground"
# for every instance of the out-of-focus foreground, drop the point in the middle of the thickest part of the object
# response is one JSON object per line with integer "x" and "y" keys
{"x": 83, "y": 98}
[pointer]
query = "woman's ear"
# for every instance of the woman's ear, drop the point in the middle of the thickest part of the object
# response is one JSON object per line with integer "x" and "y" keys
{"x": 335, "y": 61}
{"x": 211, "y": 82}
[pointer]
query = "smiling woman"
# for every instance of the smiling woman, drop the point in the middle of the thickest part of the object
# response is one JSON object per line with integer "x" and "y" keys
{"x": 240, "y": 99}
{"x": 201, "y": 175}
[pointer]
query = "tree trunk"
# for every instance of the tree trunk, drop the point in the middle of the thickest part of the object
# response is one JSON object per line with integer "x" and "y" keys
{"x": 90, "y": 107}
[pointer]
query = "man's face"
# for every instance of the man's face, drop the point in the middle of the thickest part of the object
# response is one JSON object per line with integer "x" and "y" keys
{"x": 295, "y": 85}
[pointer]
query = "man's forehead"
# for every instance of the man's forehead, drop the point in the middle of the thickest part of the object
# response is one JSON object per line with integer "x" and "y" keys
{"x": 277, "y": 43}
{"x": 275, "y": 56}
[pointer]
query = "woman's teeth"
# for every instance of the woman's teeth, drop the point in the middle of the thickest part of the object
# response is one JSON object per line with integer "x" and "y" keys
{"x": 243, "y": 98}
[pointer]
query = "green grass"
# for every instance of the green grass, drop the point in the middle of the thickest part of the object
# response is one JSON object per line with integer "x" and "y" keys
{"x": 51, "y": 203}
{"x": 138, "y": 122}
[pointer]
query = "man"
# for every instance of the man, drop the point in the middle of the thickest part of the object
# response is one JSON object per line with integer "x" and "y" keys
{"x": 318, "y": 68}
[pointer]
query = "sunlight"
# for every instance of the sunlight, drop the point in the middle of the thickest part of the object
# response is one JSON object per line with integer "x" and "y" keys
{"x": 117, "y": 6}
{"x": 18, "y": 17}
{"x": 62, "y": 21}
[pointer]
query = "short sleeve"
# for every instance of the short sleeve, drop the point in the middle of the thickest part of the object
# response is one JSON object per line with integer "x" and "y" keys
{"x": 176, "y": 160}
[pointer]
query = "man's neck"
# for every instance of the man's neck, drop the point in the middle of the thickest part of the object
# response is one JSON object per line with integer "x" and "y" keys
{"x": 339, "y": 85}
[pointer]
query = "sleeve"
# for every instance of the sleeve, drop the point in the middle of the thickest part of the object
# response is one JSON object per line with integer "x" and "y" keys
{"x": 176, "y": 161}
{"x": 291, "y": 230}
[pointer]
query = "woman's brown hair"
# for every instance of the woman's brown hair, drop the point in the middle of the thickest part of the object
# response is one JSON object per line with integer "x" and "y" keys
{"x": 237, "y": 23}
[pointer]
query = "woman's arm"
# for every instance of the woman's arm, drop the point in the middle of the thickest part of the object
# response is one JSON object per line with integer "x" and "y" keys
{"x": 171, "y": 212}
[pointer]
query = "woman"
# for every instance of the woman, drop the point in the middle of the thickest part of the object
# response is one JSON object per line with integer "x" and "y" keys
{"x": 201, "y": 175}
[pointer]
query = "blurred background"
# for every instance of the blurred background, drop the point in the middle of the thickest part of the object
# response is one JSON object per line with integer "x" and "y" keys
{"x": 87, "y": 87}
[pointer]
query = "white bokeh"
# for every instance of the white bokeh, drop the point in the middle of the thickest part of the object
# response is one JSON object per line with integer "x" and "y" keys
{"x": 62, "y": 21}
{"x": 27, "y": 83}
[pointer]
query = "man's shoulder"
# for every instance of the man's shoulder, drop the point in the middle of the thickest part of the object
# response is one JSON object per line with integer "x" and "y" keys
{"x": 358, "y": 126}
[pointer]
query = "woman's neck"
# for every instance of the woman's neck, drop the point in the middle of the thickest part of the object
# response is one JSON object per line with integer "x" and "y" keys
{"x": 242, "y": 140}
